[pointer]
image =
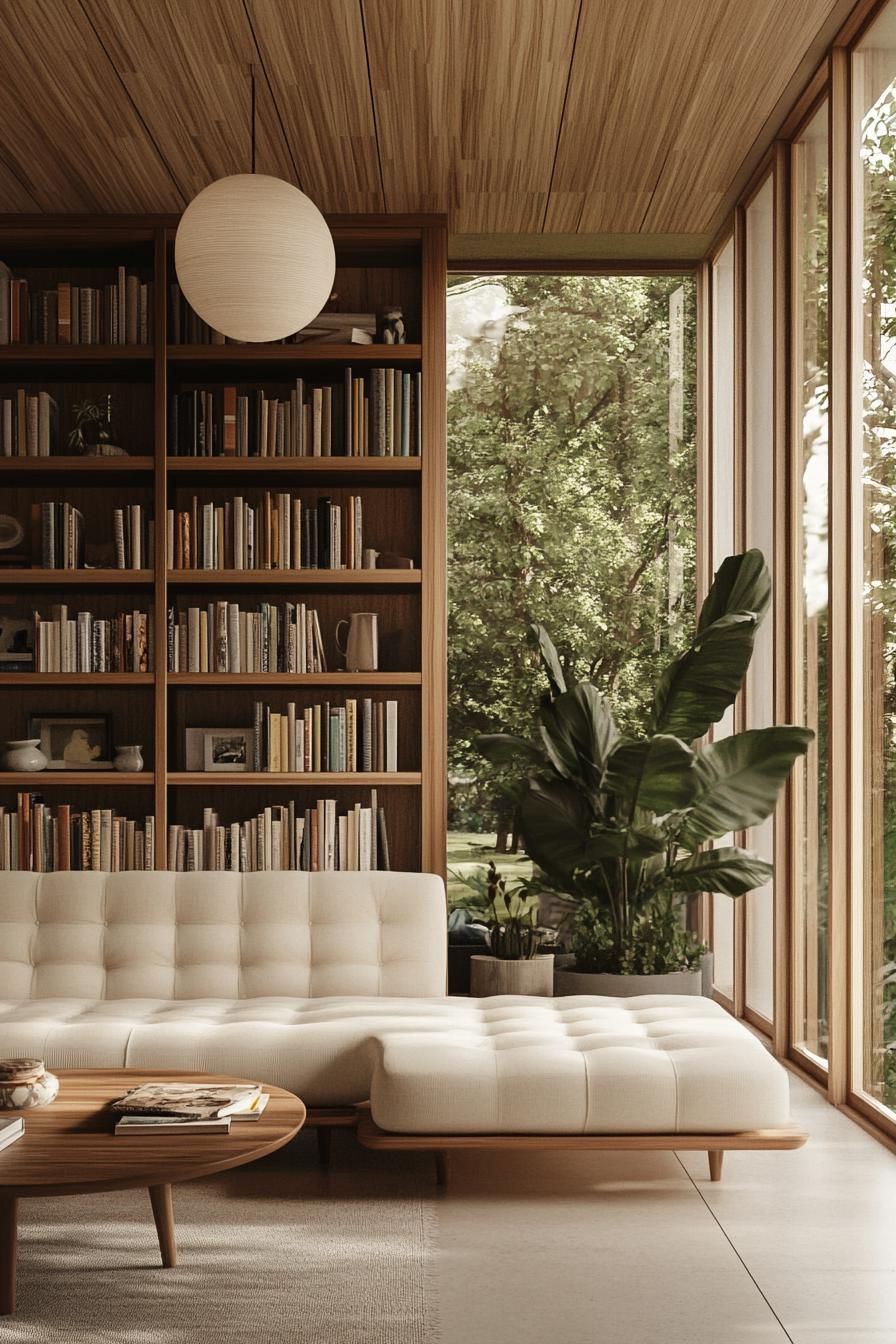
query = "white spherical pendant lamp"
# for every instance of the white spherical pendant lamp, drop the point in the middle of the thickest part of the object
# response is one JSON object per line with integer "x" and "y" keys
{"x": 254, "y": 257}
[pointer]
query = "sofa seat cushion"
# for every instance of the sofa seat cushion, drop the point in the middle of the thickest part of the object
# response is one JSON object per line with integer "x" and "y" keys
{"x": 648, "y": 1065}
{"x": 511, "y": 1064}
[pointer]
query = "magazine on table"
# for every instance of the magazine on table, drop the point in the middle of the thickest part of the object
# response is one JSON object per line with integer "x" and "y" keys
{"x": 189, "y": 1101}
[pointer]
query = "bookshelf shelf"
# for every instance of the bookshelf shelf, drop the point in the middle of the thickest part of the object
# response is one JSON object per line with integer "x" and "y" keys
{"x": 76, "y": 679}
{"x": 76, "y": 578}
{"x": 75, "y": 354}
{"x": 74, "y": 466}
{"x": 315, "y": 779}
{"x": 381, "y": 264}
{"x": 44, "y": 779}
{"x": 294, "y": 679}
{"x": 295, "y": 354}
{"x": 295, "y": 578}
{"x": 357, "y": 468}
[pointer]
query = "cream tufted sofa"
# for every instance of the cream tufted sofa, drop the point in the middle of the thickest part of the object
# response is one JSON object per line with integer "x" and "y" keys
{"x": 333, "y": 985}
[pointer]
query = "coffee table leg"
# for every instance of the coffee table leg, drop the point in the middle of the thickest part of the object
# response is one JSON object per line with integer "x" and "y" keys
{"x": 8, "y": 1238}
{"x": 163, "y": 1213}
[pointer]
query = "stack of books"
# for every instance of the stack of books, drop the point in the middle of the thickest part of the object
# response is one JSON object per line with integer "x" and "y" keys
{"x": 221, "y": 637}
{"x": 11, "y": 1128}
{"x": 370, "y": 415}
{"x": 84, "y": 642}
{"x": 115, "y": 314}
{"x": 356, "y": 736}
{"x": 278, "y": 533}
{"x": 155, "y": 1109}
{"x": 285, "y": 838}
{"x": 29, "y": 424}
{"x": 36, "y": 838}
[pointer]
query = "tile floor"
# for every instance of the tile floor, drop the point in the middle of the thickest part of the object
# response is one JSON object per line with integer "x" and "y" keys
{"x": 631, "y": 1248}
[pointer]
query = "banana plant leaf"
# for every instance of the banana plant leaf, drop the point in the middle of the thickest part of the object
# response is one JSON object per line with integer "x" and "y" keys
{"x": 658, "y": 774}
{"x": 742, "y": 583}
{"x": 740, "y": 779}
{"x": 634, "y": 842}
{"x": 579, "y": 732}
{"x": 555, "y": 820}
{"x": 730, "y": 870}
{"x": 550, "y": 661}
{"x": 696, "y": 688}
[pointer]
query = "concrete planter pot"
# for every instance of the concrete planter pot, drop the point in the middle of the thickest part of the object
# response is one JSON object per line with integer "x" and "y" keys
{"x": 491, "y": 975}
{"x": 627, "y": 986}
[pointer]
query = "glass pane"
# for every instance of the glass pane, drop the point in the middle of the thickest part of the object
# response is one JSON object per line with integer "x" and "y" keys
{"x": 571, "y": 489}
{"x": 810, "y": 205}
{"x": 760, "y": 475}
{"x": 875, "y": 93}
{"x": 723, "y": 536}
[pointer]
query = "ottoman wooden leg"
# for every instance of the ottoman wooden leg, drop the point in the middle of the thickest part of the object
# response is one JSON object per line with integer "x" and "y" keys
{"x": 163, "y": 1213}
{"x": 8, "y": 1239}
{"x": 715, "y": 1163}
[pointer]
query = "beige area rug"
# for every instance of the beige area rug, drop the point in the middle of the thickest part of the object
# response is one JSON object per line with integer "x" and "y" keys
{"x": 275, "y": 1253}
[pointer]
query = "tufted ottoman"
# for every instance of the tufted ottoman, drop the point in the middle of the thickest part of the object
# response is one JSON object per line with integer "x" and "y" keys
{"x": 652, "y": 1072}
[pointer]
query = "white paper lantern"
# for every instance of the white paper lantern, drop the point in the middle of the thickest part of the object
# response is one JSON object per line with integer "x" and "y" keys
{"x": 254, "y": 257}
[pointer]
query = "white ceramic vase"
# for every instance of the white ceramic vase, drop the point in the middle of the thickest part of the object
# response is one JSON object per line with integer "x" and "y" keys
{"x": 129, "y": 758}
{"x": 24, "y": 755}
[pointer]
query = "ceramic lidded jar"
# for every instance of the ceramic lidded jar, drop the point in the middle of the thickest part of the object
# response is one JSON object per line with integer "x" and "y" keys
{"x": 25, "y": 1084}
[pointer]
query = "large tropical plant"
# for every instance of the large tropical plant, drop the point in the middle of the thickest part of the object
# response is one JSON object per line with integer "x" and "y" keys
{"x": 623, "y": 823}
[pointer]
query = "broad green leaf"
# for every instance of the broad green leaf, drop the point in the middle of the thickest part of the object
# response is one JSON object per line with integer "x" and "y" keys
{"x": 504, "y": 749}
{"x": 554, "y": 820}
{"x": 740, "y": 779}
{"x": 697, "y": 687}
{"x": 636, "y": 842}
{"x": 657, "y": 774}
{"x": 579, "y": 731}
{"x": 730, "y": 870}
{"x": 541, "y": 640}
{"x": 742, "y": 583}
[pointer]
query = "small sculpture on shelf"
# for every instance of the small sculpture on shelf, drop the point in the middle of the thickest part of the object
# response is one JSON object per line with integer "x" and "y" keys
{"x": 93, "y": 435}
{"x": 392, "y": 327}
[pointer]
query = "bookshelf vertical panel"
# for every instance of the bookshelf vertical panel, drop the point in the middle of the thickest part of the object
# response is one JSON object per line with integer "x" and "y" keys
{"x": 434, "y": 550}
{"x": 160, "y": 495}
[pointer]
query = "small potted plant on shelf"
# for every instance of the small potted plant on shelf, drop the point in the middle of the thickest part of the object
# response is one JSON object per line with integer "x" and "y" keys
{"x": 621, "y": 822}
{"x": 514, "y": 963}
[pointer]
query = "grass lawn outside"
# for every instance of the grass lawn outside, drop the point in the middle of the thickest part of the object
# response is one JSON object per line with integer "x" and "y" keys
{"x": 467, "y": 849}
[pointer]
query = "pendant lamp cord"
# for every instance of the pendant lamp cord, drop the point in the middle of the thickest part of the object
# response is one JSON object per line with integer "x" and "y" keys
{"x": 252, "y": 70}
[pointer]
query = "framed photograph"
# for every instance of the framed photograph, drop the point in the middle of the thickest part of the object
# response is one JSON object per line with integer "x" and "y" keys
{"x": 73, "y": 741}
{"x": 228, "y": 749}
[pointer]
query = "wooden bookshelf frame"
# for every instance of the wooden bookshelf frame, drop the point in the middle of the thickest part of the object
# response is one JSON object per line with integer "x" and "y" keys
{"x": 417, "y": 245}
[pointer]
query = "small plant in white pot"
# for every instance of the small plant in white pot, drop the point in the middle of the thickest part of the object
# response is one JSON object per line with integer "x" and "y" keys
{"x": 515, "y": 964}
{"x": 621, "y": 822}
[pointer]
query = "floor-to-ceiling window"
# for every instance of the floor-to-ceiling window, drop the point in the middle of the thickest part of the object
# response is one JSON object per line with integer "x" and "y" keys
{"x": 722, "y": 491}
{"x": 572, "y": 502}
{"x": 759, "y": 524}
{"x": 809, "y": 558}
{"x": 874, "y": 940}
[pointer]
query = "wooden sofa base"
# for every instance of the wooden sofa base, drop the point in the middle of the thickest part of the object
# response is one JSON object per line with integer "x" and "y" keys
{"x": 714, "y": 1145}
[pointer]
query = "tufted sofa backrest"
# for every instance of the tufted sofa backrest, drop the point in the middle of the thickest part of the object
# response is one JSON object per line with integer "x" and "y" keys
{"x": 220, "y": 935}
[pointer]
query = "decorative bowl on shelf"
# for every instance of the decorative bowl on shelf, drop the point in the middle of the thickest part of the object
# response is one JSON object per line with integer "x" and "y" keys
{"x": 26, "y": 1084}
{"x": 24, "y": 755}
{"x": 129, "y": 758}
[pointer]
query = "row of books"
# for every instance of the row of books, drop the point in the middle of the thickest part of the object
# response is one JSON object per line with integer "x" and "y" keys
{"x": 29, "y": 425}
{"x": 59, "y": 535}
{"x": 84, "y": 642}
{"x": 280, "y": 532}
{"x": 372, "y": 415}
{"x": 222, "y": 637}
{"x": 357, "y": 736}
{"x": 114, "y": 314}
{"x": 186, "y": 327}
{"x": 39, "y": 838}
{"x": 285, "y": 838}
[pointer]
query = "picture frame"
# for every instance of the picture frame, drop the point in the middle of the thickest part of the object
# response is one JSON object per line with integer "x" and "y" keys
{"x": 227, "y": 749}
{"x": 73, "y": 741}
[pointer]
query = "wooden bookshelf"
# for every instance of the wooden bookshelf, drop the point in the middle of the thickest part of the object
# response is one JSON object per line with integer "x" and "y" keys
{"x": 399, "y": 260}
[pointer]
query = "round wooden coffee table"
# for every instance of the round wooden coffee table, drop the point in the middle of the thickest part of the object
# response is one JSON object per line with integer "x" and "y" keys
{"x": 69, "y": 1148}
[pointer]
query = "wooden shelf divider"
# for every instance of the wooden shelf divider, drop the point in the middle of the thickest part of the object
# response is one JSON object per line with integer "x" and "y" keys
{"x": 383, "y": 264}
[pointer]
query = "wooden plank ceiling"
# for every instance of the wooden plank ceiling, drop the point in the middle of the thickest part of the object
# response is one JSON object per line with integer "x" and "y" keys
{"x": 567, "y": 118}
